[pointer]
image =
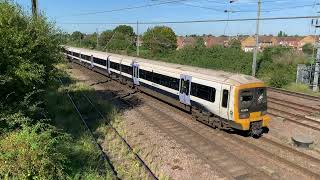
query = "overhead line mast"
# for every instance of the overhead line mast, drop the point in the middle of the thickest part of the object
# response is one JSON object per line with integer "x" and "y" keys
{"x": 255, "y": 53}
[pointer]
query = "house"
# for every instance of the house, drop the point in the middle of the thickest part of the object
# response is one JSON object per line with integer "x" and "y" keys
{"x": 185, "y": 41}
{"x": 311, "y": 39}
{"x": 248, "y": 44}
{"x": 210, "y": 41}
{"x": 292, "y": 42}
{"x": 267, "y": 41}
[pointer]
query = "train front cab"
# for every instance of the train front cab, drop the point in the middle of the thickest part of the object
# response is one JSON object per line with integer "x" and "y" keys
{"x": 250, "y": 110}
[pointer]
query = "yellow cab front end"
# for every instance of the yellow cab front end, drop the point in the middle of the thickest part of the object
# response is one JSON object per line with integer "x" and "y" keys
{"x": 250, "y": 110}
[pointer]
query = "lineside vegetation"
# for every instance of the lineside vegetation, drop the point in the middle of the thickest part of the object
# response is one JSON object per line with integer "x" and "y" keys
{"x": 41, "y": 136}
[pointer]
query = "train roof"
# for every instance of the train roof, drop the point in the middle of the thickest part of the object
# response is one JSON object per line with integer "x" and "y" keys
{"x": 202, "y": 73}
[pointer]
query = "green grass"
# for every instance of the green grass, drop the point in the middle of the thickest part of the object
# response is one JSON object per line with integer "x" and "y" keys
{"x": 302, "y": 88}
{"x": 84, "y": 155}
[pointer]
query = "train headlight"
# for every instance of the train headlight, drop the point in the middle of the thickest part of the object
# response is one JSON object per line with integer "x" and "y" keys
{"x": 264, "y": 113}
{"x": 244, "y": 115}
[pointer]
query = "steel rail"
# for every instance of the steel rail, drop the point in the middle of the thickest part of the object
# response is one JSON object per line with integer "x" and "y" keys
{"x": 301, "y": 95}
{"x": 105, "y": 156}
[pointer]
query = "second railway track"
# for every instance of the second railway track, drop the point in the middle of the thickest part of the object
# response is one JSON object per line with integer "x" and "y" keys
{"x": 295, "y": 94}
{"x": 76, "y": 104}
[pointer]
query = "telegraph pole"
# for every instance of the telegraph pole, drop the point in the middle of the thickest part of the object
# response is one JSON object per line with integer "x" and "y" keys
{"x": 97, "y": 31}
{"x": 317, "y": 70}
{"x": 255, "y": 53}
{"x": 138, "y": 40}
{"x": 315, "y": 85}
{"x": 34, "y": 8}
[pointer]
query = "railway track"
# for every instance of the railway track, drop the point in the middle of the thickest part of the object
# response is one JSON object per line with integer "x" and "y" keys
{"x": 295, "y": 118}
{"x": 292, "y": 105}
{"x": 295, "y": 94}
{"x": 194, "y": 138}
{"x": 85, "y": 118}
{"x": 294, "y": 112}
{"x": 252, "y": 144}
{"x": 216, "y": 156}
{"x": 81, "y": 116}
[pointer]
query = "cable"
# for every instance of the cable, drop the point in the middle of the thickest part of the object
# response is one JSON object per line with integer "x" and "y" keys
{"x": 202, "y": 21}
{"x": 123, "y": 9}
{"x": 202, "y": 7}
{"x": 240, "y": 11}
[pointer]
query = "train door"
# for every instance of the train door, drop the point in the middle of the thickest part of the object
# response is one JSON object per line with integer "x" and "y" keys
{"x": 135, "y": 73}
{"x": 108, "y": 65}
{"x": 184, "y": 90}
{"x": 91, "y": 60}
{"x": 224, "y": 103}
{"x": 80, "y": 57}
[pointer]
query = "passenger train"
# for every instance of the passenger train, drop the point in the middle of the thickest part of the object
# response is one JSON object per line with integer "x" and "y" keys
{"x": 219, "y": 99}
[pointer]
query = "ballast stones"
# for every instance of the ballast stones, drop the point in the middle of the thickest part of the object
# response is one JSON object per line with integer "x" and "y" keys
{"x": 302, "y": 141}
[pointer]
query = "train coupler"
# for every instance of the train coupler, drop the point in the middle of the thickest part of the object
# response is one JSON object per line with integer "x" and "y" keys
{"x": 256, "y": 129}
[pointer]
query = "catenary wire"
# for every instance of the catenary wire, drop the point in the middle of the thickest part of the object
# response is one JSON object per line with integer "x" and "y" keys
{"x": 200, "y": 21}
{"x": 124, "y": 8}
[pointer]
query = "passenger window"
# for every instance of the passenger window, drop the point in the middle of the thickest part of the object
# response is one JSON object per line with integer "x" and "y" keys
{"x": 213, "y": 95}
{"x": 185, "y": 86}
{"x": 225, "y": 98}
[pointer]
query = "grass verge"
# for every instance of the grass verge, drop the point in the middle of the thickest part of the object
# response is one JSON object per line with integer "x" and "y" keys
{"x": 85, "y": 157}
{"x": 301, "y": 88}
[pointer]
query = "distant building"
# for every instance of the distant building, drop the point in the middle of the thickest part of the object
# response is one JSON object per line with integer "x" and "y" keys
{"x": 267, "y": 41}
{"x": 292, "y": 42}
{"x": 307, "y": 40}
{"x": 185, "y": 41}
{"x": 210, "y": 41}
{"x": 248, "y": 44}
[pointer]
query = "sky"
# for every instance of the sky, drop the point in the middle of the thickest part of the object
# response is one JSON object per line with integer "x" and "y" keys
{"x": 71, "y": 15}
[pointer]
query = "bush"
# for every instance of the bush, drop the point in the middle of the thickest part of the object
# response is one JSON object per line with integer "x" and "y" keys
{"x": 308, "y": 49}
{"x": 34, "y": 152}
{"x": 28, "y": 50}
{"x": 279, "y": 79}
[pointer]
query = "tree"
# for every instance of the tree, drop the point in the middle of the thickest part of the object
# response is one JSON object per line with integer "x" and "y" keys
{"x": 90, "y": 40}
{"x": 123, "y": 38}
{"x": 308, "y": 48}
{"x": 199, "y": 42}
{"x": 124, "y": 29}
{"x": 235, "y": 43}
{"x": 160, "y": 39}
{"x": 29, "y": 50}
{"x": 77, "y": 36}
{"x": 282, "y": 34}
{"x": 105, "y": 37}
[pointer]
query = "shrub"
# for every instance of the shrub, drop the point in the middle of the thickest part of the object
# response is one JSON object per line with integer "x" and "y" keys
{"x": 34, "y": 152}
{"x": 279, "y": 79}
{"x": 28, "y": 50}
{"x": 308, "y": 49}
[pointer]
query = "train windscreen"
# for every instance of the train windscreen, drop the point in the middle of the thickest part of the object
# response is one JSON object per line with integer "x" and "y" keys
{"x": 252, "y": 100}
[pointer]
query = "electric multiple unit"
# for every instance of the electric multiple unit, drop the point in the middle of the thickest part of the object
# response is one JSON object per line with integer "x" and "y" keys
{"x": 217, "y": 98}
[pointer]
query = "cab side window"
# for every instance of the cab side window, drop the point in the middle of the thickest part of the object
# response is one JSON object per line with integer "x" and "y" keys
{"x": 225, "y": 98}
